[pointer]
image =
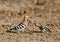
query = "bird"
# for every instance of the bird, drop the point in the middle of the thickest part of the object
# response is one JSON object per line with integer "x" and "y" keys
{"x": 22, "y": 25}
{"x": 43, "y": 28}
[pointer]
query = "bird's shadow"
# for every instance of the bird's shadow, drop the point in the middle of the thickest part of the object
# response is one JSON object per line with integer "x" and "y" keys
{"x": 25, "y": 32}
{"x": 34, "y": 32}
{"x": 10, "y": 31}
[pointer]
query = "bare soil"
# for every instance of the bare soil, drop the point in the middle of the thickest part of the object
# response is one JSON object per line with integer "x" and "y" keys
{"x": 46, "y": 12}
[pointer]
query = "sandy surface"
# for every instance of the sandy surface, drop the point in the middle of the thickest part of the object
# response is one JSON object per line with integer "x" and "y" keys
{"x": 46, "y": 12}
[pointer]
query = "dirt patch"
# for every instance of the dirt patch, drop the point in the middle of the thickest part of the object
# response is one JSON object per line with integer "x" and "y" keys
{"x": 46, "y": 13}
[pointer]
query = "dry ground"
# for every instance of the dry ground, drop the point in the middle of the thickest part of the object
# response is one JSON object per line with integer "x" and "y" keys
{"x": 46, "y": 12}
